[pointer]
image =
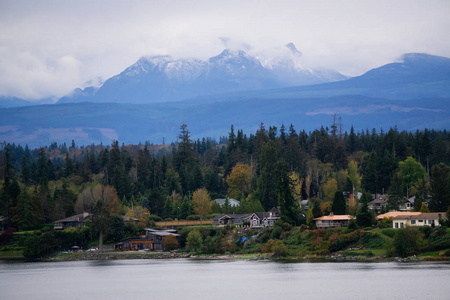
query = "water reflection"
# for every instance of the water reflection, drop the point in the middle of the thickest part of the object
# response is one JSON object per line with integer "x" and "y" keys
{"x": 206, "y": 279}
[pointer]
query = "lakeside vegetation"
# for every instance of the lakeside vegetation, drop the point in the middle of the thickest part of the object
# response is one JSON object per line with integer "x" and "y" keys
{"x": 269, "y": 168}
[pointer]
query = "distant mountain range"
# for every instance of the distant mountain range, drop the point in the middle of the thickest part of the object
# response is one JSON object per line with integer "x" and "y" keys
{"x": 162, "y": 79}
{"x": 411, "y": 94}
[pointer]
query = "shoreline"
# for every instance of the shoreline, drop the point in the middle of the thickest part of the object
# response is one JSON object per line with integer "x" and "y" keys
{"x": 85, "y": 256}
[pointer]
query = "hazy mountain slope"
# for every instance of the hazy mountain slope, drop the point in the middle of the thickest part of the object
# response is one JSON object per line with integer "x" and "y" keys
{"x": 13, "y": 102}
{"x": 88, "y": 123}
{"x": 417, "y": 76}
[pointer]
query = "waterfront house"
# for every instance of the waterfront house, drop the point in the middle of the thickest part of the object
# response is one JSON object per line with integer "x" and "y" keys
{"x": 152, "y": 240}
{"x": 135, "y": 243}
{"x": 157, "y": 236}
{"x": 421, "y": 219}
{"x": 393, "y": 214}
{"x": 333, "y": 220}
{"x": 76, "y": 221}
{"x": 231, "y": 219}
{"x": 254, "y": 220}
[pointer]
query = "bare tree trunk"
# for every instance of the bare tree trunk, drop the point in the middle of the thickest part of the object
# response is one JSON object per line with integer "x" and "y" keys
{"x": 100, "y": 241}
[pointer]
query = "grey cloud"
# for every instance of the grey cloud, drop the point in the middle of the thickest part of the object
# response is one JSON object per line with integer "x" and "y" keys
{"x": 51, "y": 47}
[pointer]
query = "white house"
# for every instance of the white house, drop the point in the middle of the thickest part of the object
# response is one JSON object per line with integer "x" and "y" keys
{"x": 421, "y": 219}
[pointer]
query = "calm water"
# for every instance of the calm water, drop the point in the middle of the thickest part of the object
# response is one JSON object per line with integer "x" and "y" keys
{"x": 191, "y": 279}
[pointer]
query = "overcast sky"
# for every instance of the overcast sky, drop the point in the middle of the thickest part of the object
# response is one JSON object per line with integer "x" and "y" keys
{"x": 48, "y": 48}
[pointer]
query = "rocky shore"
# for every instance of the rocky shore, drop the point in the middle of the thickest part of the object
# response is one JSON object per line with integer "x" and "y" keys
{"x": 116, "y": 255}
{"x": 85, "y": 255}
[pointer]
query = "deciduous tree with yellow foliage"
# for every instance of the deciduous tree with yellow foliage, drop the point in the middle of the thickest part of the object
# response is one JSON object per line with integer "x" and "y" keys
{"x": 202, "y": 203}
{"x": 239, "y": 180}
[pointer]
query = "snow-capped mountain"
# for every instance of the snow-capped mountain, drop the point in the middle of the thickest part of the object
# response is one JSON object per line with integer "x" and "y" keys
{"x": 161, "y": 78}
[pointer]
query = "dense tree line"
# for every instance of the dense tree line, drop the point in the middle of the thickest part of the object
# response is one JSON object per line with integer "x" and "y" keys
{"x": 272, "y": 167}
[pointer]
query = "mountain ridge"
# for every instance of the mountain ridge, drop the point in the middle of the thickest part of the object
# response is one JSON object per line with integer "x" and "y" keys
{"x": 161, "y": 78}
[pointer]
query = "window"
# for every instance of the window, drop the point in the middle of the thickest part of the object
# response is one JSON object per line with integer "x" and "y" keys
{"x": 401, "y": 224}
{"x": 420, "y": 221}
{"x": 413, "y": 222}
{"x": 396, "y": 224}
{"x": 430, "y": 221}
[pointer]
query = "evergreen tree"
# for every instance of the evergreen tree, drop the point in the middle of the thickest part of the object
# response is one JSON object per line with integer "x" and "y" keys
{"x": 69, "y": 169}
{"x": 267, "y": 181}
{"x": 186, "y": 208}
{"x": 286, "y": 201}
{"x": 303, "y": 190}
{"x": 24, "y": 216}
{"x": 440, "y": 188}
{"x": 338, "y": 207}
{"x": 317, "y": 212}
{"x": 369, "y": 172}
{"x": 364, "y": 217}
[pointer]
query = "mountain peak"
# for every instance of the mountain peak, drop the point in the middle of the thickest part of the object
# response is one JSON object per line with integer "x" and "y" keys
{"x": 293, "y": 49}
{"x": 228, "y": 55}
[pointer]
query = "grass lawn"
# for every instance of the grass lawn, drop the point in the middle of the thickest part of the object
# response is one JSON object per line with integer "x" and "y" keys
{"x": 11, "y": 254}
{"x": 365, "y": 252}
{"x": 432, "y": 253}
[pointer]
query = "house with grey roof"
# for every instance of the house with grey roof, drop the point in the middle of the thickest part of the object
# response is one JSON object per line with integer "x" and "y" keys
{"x": 254, "y": 220}
{"x": 76, "y": 221}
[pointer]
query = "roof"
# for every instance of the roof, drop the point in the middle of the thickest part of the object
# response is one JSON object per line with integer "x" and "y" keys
{"x": 127, "y": 219}
{"x": 411, "y": 200}
{"x": 335, "y": 218}
{"x": 379, "y": 200}
{"x": 76, "y": 218}
{"x": 393, "y": 214}
{"x": 429, "y": 216}
{"x": 135, "y": 238}
{"x": 162, "y": 232}
{"x": 232, "y": 216}
{"x": 221, "y": 201}
{"x": 275, "y": 210}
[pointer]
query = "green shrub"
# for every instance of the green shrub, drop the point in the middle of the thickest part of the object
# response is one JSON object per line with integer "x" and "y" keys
{"x": 352, "y": 225}
{"x": 335, "y": 243}
{"x": 390, "y": 232}
{"x": 194, "y": 241}
{"x": 155, "y": 218}
{"x": 40, "y": 246}
{"x": 264, "y": 236}
{"x": 277, "y": 247}
{"x": 276, "y": 232}
{"x": 407, "y": 241}
{"x": 439, "y": 239}
{"x": 294, "y": 237}
{"x": 373, "y": 240}
{"x": 193, "y": 218}
{"x": 385, "y": 223}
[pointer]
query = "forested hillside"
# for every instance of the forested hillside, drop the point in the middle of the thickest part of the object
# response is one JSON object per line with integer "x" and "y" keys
{"x": 270, "y": 167}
